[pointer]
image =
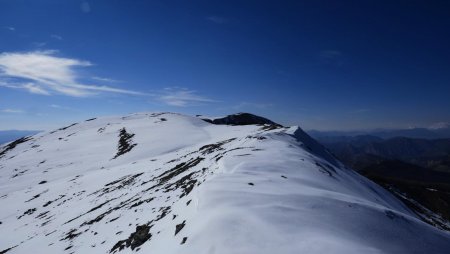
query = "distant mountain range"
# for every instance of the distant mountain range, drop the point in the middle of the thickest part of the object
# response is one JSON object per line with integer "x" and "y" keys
{"x": 416, "y": 170}
{"x": 362, "y": 151}
{"x": 434, "y": 132}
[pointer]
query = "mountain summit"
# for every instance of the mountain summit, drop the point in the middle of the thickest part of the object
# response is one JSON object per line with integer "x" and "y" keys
{"x": 242, "y": 119}
{"x": 169, "y": 183}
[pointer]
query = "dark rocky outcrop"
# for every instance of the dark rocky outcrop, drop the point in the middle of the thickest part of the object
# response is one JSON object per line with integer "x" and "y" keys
{"x": 241, "y": 119}
{"x": 125, "y": 142}
{"x": 179, "y": 227}
{"x": 12, "y": 145}
{"x": 4, "y": 251}
{"x": 135, "y": 240}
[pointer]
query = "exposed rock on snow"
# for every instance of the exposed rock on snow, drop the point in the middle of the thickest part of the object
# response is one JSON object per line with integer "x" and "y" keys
{"x": 178, "y": 184}
{"x": 135, "y": 240}
{"x": 125, "y": 142}
{"x": 12, "y": 145}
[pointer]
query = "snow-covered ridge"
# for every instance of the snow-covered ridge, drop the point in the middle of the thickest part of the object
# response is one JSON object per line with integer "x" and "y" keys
{"x": 169, "y": 183}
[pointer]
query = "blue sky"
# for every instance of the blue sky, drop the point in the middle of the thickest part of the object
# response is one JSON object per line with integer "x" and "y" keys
{"x": 327, "y": 65}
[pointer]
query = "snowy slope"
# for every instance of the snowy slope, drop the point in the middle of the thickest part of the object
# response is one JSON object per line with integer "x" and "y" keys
{"x": 168, "y": 183}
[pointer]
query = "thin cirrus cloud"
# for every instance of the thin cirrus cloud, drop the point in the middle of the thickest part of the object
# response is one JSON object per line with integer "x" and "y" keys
{"x": 60, "y": 107}
{"x": 181, "y": 97}
{"x": 39, "y": 44}
{"x": 109, "y": 80}
{"x": 12, "y": 111}
{"x": 45, "y": 73}
{"x": 30, "y": 87}
{"x": 56, "y": 37}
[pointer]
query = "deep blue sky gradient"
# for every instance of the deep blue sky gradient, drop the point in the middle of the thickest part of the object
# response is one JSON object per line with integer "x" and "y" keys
{"x": 330, "y": 65}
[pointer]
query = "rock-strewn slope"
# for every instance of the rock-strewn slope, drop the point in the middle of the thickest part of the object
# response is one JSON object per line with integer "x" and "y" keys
{"x": 168, "y": 183}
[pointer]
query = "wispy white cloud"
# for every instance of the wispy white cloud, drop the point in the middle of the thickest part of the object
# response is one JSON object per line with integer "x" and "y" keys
{"x": 60, "y": 107}
{"x": 181, "y": 97}
{"x": 39, "y": 44}
{"x": 218, "y": 19}
{"x": 55, "y": 106}
{"x": 13, "y": 111}
{"x": 10, "y": 28}
{"x": 33, "y": 88}
{"x": 43, "y": 72}
{"x": 109, "y": 80}
{"x": 30, "y": 87}
{"x": 56, "y": 37}
{"x": 85, "y": 7}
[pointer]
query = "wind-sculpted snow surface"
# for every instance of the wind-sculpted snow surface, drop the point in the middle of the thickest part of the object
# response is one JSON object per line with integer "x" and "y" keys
{"x": 167, "y": 183}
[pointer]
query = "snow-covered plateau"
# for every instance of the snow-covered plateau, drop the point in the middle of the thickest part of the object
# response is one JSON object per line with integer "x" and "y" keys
{"x": 165, "y": 183}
